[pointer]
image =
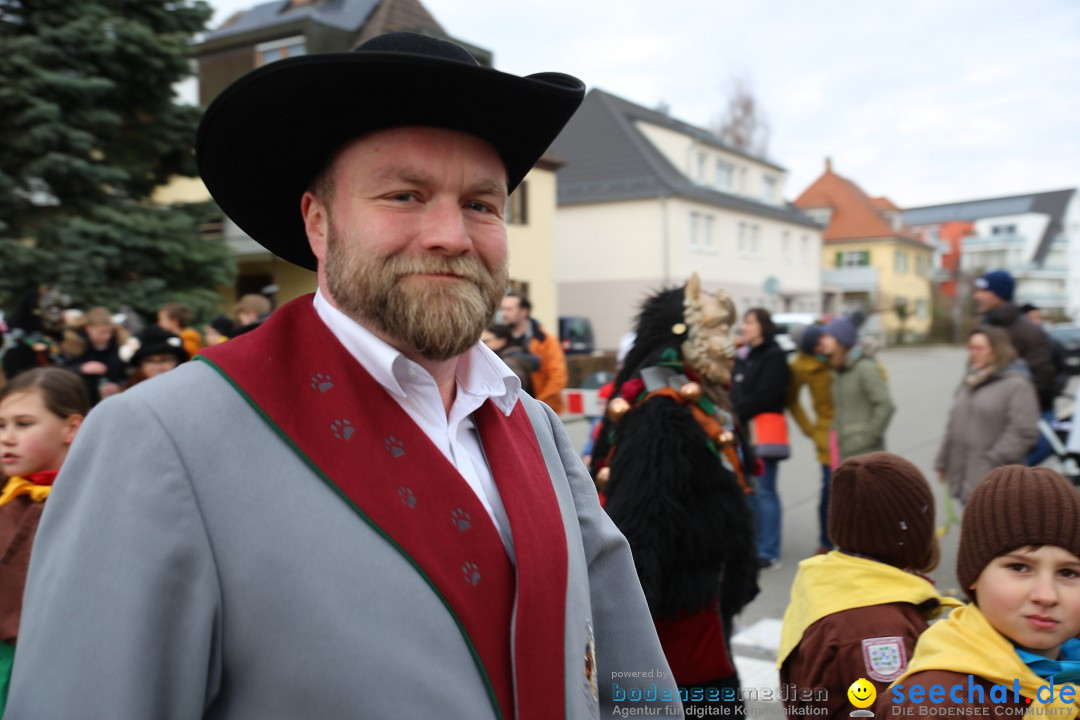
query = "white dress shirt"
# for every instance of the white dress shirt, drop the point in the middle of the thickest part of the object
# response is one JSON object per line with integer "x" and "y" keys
{"x": 480, "y": 375}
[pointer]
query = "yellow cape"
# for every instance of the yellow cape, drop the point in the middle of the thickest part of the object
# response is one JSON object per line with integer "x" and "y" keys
{"x": 835, "y": 582}
{"x": 966, "y": 642}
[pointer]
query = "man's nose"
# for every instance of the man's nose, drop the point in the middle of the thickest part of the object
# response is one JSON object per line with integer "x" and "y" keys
{"x": 445, "y": 229}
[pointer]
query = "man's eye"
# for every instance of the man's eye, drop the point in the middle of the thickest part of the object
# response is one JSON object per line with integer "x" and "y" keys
{"x": 478, "y": 206}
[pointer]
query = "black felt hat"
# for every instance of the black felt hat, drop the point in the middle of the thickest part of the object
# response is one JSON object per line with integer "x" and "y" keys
{"x": 264, "y": 139}
{"x": 155, "y": 341}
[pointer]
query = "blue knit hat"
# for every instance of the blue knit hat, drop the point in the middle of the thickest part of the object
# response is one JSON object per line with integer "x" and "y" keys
{"x": 998, "y": 282}
{"x": 844, "y": 331}
{"x": 810, "y": 338}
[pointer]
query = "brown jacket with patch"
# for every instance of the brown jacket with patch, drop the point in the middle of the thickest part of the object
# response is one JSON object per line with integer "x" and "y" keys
{"x": 872, "y": 642}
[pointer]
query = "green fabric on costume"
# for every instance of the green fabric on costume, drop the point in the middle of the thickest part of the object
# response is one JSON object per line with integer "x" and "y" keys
{"x": 7, "y": 659}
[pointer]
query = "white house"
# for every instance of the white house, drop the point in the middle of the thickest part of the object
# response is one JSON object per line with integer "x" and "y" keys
{"x": 645, "y": 200}
{"x": 1035, "y": 237}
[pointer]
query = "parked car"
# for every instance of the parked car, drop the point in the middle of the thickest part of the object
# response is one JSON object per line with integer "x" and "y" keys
{"x": 784, "y": 323}
{"x": 576, "y": 335}
{"x": 1069, "y": 337}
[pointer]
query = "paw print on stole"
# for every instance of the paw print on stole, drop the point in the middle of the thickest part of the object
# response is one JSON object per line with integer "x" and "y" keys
{"x": 472, "y": 573}
{"x": 321, "y": 382}
{"x": 394, "y": 446}
{"x": 407, "y": 497}
{"x": 343, "y": 429}
{"x": 461, "y": 519}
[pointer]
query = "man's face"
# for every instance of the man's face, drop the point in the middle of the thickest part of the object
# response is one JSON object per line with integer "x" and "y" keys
{"x": 512, "y": 312}
{"x": 985, "y": 301}
{"x": 1034, "y": 316}
{"x": 413, "y": 242}
{"x": 826, "y": 345}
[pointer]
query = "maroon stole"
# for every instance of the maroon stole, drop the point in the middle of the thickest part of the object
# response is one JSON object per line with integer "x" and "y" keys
{"x": 353, "y": 434}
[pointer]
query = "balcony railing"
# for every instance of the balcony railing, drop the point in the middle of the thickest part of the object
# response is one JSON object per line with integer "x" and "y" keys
{"x": 851, "y": 279}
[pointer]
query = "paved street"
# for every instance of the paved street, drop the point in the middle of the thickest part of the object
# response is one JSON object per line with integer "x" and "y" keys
{"x": 922, "y": 381}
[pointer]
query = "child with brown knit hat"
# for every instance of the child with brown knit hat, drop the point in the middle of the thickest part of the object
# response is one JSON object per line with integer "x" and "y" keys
{"x": 858, "y": 611}
{"x": 1015, "y": 645}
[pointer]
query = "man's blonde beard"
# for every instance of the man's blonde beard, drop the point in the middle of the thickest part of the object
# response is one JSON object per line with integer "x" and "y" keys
{"x": 438, "y": 319}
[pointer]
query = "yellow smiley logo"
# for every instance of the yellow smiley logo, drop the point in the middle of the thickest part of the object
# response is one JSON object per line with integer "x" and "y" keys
{"x": 862, "y": 693}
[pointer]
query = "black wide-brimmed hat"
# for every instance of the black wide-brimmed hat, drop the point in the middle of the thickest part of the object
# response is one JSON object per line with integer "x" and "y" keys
{"x": 264, "y": 139}
{"x": 156, "y": 341}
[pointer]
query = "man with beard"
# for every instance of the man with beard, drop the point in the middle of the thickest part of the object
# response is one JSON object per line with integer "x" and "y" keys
{"x": 361, "y": 515}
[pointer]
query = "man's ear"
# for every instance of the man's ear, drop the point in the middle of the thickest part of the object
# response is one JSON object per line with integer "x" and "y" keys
{"x": 316, "y": 224}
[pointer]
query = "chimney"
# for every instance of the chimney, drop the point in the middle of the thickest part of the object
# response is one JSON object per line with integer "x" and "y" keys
{"x": 828, "y": 164}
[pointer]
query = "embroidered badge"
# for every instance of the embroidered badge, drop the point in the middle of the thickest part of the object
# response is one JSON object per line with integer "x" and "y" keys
{"x": 472, "y": 573}
{"x": 394, "y": 446}
{"x": 461, "y": 519}
{"x": 343, "y": 429}
{"x": 407, "y": 497}
{"x": 321, "y": 382}
{"x": 590, "y": 663}
{"x": 885, "y": 658}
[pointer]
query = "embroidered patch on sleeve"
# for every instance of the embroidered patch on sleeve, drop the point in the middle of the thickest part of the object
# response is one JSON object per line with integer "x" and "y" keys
{"x": 885, "y": 658}
{"x": 590, "y": 664}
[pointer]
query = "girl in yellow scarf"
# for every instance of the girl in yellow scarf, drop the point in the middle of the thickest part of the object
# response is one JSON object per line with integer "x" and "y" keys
{"x": 40, "y": 412}
{"x": 1014, "y": 649}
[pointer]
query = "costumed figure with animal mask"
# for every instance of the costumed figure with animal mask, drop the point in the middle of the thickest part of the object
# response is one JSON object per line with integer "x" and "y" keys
{"x": 671, "y": 464}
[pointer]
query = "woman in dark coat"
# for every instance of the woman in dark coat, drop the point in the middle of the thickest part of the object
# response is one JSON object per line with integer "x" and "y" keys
{"x": 760, "y": 387}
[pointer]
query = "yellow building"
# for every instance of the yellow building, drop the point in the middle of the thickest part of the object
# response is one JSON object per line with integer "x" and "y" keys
{"x": 871, "y": 262}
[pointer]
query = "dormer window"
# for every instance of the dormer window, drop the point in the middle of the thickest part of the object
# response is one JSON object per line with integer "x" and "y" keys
{"x": 724, "y": 172}
{"x": 268, "y": 52}
{"x": 768, "y": 189}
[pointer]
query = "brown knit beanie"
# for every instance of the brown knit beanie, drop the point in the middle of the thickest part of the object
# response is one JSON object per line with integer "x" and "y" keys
{"x": 1014, "y": 507}
{"x": 880, "y": 505}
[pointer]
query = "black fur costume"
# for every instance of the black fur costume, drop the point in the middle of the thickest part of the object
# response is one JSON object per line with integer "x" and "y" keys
{"x": 34, "y": 330}
{"x": 683, "y": 512}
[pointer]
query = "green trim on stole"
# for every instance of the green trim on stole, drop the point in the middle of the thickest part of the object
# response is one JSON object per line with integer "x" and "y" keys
{"x": 7, "y": 661}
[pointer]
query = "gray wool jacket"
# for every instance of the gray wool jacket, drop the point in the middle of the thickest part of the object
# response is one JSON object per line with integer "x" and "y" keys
{"x": 991, "y": 424}
{"x": 190, "y": 565}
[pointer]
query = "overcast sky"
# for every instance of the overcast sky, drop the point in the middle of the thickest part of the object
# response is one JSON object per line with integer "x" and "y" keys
{"x": 924, "y": 101}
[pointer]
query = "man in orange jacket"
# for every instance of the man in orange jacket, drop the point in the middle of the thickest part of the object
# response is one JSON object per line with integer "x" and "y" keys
{"x": 547, "y": 382}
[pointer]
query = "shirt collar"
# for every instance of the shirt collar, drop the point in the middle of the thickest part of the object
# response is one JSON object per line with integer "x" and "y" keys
{"x": 479, "y": 371}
